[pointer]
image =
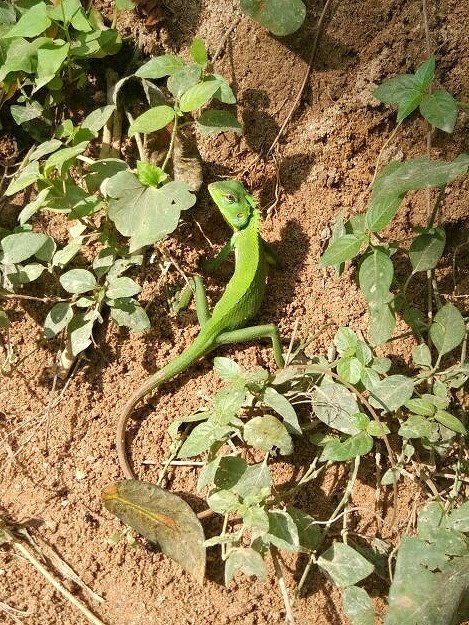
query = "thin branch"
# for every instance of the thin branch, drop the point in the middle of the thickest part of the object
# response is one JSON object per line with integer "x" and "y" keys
{"x": 289, "y": 616}
{"x": 21, "y": 549}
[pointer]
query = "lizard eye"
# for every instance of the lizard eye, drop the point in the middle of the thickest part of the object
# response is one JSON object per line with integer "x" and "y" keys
{"x": 230, "y": 199}
{"x": 240, "y": 215}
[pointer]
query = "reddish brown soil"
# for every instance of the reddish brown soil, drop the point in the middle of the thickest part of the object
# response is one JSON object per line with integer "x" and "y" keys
{"x": 323, "y": 166}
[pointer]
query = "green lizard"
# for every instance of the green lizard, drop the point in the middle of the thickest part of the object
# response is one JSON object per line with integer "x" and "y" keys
{"x": 238, "y": 304}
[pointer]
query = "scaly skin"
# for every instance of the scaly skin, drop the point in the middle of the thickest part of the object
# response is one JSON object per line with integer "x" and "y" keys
{"x": 238, "y": 304}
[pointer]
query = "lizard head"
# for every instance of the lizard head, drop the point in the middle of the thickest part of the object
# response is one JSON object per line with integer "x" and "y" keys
{"x": 233, "y": 201}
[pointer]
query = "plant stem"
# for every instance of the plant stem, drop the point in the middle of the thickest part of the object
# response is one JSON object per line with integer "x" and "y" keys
{"x": 289, "y": 616}
{"x": 171, "y": 144}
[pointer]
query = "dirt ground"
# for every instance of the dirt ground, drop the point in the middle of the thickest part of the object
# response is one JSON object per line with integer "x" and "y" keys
{"x": 322, "y": 166}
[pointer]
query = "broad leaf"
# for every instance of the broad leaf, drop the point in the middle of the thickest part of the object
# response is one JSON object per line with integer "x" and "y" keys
{"x": 162, "y": 518}
{"x": 78, "y": 281}
{"x": 283, "y": 532}
{"x": 392, "y": 392}
{"x": 98, "y": 118}
{"x": 146, "y": 214}
{"x": 198, "y": 95}
{"x": 340, "y": 451}
{"x": 358, "y": 606}
{"x": 160, "y": 66}
{"x": 342, "y": 249}
{"x": 247, "y": 560}
{"x": 381, "y": 211}
{"x": 18, "y": 247}
{"x": 440, "y": 109}
{"x": 122, "y": 287}
{"x": 154, "y": 119}
{"x": 375, "y": 275}
{"x": 344, "y": 565}
{"x": 283, "y": 407}
{"x": 427, "y": 249}
{"x": 335, "y": 406}
{"x": 383, "y": 321}
{"x": 448, "y": 329}
{"x": 57, "y": 319}
{"x": 127, "y": 312}
{"x": 32, "y": 23}
{"x": 267, "y": 432}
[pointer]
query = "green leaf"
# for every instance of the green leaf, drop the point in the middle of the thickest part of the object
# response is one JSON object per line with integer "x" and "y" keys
{"x": 383, "y": 321}
{"x": 459, "y": 519}
{"x": 342, "y": 249}
{"x": 202, "y": 438}
{"x": 429, "y": 583}
{"x": 7, "y": 13}
{"x": 404, "y": 91}
{"x": 28, "y": 176}
{"x": 350, "y": 369}
{"x": 65, "y": 255}
{"x": 450, "y": 421}
{"x": 267, "y": 432}
{"x": 129, "y": 313}
{"x": 229, "y": 471}
{"x": 199, "y": 52}
{"x": 392, "y": 392}
{"x": 420, "y": 406}
{"x": 255, "y": 478}
{"x": 281, "y": 17}
{"x": 78, "y": 281}
{"x": 247, "y": 560}
{"x": 50, "y": 58}
{"x": 283, "y": 407}
{"x": 32, "y": 23}
{"x": 57, "y": 319}
{"x": 377, "y": 429}
{"x": 183, "y": 79}
{"x": 223, "y": 502}
{"x": 227, "y": 403}
{"x": 224, "y": 92}
{"x": 381, "y": 211}
{"x": 420, "y": 173}
{"x": 146, "y": 214}
{"x": 215, "y": 121}
{"x": 346, "y": 341}
{"x": 160, "y": 66}
{"x": 45, "y": 148}
{"x": 150, "y": 175}
{"x": 448, "y": 329}
{"x": 71, "y": 12}
{"x": 309, "y": 533}
{"x": 282, "y": 531}
{"x": 256, "y": 520}
{"x": 26, "y": 113}
{"x": 427, "y": 249}
{"x": 425, "y": 72}
{"x": 358, "y": 606}
{"x": 154, "y": 119}
{"x": 80, "y": 330}
{"x": 416, "y": 426}
{"x": 18, "y": 247}
{"x": 62, "y": 157}
{"x": 226, "y": 368}
{"x": 422, "y": 356}
{"x": 340, "y": 451}
{"x": 335, "y": 406}
{"x": 440, "y": 109}
{"x": 375, "y": 275}
{"x": 198, "y": 95}
{"x": 122, "y": 287}
{"x": 344, "y": 565}
{"x": 23, "y": 274}
{"x": 98, "y": 118}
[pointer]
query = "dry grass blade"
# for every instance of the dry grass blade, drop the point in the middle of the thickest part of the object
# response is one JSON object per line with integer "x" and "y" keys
{"x": 29, "y": 557}
{"x": 14, "y": 611}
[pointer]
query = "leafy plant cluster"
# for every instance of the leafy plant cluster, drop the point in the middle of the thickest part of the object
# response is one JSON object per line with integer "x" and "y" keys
{"x": 44, "y": 48}
{"x": 362, "y": 235}
{"x": 114, "y": 211}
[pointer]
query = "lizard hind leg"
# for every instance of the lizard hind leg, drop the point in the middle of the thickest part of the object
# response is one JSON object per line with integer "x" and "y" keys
{"x": 252, "y": 333}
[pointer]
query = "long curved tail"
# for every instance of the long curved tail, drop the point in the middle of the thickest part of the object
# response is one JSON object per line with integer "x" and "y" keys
{"x": 196, "y": 350}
